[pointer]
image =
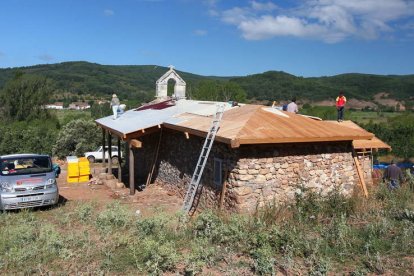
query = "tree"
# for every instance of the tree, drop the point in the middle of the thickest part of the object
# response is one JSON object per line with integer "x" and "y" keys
{"x": 100, "y": 110}
{"x": 76, "y": 137}
{"x": 23, "y": 98}
{"x": 36, "y": 136}
{"x": 210, "y": 90}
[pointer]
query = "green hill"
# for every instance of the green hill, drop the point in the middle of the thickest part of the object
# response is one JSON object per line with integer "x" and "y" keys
{"x": 84, "y": 80}
{"x": 71, "y": 79}
{"x": 280, "y": 85}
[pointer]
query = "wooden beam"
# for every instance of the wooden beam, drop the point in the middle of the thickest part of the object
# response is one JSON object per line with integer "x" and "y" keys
{"x": 139, "y": 133}
{"x": 280, "y": 140}
{"x": 103, "y": 147}
{"x": 119, "y": 161}
{"x": 361, "y": 176}
{"x": 109, "y": 153}
{"x": 135, "y": 143}
{"x": 131, "y": 169}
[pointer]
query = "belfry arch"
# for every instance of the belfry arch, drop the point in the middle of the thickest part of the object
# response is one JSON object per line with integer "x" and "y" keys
{"x": 162, "y": 85}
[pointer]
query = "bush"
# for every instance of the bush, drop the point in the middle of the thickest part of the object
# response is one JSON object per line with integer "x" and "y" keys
{"x": 77, "y": 137}
{"x": 113, "y": 217}
{"x": 264, "y": 260}
{"x": 154, "y": 256}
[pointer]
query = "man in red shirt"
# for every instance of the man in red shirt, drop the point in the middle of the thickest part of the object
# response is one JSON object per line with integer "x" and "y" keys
{"x": 340, "y": 106}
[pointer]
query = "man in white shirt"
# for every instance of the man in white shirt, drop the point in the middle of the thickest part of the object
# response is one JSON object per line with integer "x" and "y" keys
{"x": 292, "y": 107}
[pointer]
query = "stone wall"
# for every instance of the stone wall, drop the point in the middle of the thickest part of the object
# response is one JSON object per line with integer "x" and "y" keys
{"x": 273, "y": 174}
{"x": 177, "y": 160}
{"x": 256, "y": 174}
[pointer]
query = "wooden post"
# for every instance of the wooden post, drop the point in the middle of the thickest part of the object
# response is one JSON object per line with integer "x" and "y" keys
{"x": 103, "y": 147}
{"x": 119, "y": 161}
{"x": 154, "y": 161}
{"x": 109, "y": 153}
{"x": 223, "y": 189}
{"x": 131, "y": 169}
{"x": 360, "y": 175}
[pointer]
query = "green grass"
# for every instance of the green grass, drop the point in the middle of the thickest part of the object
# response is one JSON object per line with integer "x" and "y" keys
{"x": 354, "y": 236}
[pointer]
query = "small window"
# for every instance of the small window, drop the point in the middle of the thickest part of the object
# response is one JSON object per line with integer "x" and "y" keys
{"x": 218, "y": 172}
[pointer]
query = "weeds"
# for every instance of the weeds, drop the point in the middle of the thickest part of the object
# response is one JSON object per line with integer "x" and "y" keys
{"x": 314, "y": 236}
{"x": 113, "y": 217}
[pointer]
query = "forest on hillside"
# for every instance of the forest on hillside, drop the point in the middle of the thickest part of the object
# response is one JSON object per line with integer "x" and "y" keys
{"x": 72, "y": 81}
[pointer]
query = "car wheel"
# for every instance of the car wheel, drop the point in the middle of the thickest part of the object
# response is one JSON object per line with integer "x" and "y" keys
{"x": 115, "y": 160}
{"x": 91, "y": 159}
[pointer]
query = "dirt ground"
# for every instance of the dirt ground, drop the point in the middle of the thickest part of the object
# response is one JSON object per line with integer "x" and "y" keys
{"x": 152, "y": 198}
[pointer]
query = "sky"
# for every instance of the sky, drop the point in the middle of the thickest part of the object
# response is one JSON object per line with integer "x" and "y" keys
{"x": 214, "y": 37}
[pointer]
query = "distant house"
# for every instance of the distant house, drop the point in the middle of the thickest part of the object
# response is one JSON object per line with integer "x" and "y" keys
{"x": 260, "y": 154}
{"x": 79, "y": 105}
{"x": 101, "y": 102}
{"x": 56, "y": 105}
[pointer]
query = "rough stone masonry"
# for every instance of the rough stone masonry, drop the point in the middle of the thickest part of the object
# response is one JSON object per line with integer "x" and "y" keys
{"x": 257, "y": 174}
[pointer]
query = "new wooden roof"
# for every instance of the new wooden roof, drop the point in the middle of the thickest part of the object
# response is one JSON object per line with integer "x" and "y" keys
{"x": 256, "y": 124}
{"x": 373, "y": 143}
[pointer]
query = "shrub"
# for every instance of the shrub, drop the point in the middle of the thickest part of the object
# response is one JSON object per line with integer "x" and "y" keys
{"x": 264, "y": 260}
{"x": 154, "y": 256}
{"x": 202, "y": 254}
{"x": 76, "y": 137}
{"x": 113, "y": 217}
{"x": 84, "y": 211}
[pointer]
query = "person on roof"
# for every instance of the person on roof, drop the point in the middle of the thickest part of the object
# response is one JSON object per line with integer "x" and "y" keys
{"x": 115, "y": 105}
{"x": 393, "y": 175}
{"x": 292, "y": 106}
{"x": 340, "y": 105}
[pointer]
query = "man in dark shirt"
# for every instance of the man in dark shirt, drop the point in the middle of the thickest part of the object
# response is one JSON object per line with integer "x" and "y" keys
{"x": 393, "y": 174}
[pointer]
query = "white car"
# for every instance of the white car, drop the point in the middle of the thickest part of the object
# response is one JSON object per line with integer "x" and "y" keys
{"x": 93, "y": 156}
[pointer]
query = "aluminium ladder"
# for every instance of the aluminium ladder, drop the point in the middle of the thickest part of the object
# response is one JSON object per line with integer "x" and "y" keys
{"x": 202, "y": 160}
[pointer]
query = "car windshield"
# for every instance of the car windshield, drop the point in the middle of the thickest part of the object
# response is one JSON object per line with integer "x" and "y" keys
{"x": 25, "y": 165}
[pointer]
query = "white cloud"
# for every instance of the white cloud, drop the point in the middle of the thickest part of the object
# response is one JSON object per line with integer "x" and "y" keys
{"x": 45, "y": 57}
{"x": 212, "y": 7}
{"x": 200, "y": 32}
{"x": 108, "y": 12}
{"x": 327, "y": 20}
{"x": 268, "y": 6}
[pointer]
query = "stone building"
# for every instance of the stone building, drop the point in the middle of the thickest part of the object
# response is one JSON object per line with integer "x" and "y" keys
{"x": 260, "y": 154}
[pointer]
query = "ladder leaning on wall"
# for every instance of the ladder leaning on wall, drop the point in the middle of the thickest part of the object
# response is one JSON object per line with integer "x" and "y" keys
{"x": 202, "y": 160}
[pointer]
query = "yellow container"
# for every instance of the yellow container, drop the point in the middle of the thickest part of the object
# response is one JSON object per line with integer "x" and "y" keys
{"x": 78, "y": 169}
{"x": 84, "y": 178}
{"x": 73, "y": 166}
{"x": 73, "y": 171}
{"x": 72, "y": 179}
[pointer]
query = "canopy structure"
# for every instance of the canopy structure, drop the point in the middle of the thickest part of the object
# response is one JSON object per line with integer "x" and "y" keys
{"x": 240, "y": 125}
{"x": 363, "y": 144}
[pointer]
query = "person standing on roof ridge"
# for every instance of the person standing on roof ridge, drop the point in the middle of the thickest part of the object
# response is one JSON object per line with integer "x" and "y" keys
{"x": 292, "y": 106}
{"x": 340, "y": 105}
{"x": 115, "y": 106}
